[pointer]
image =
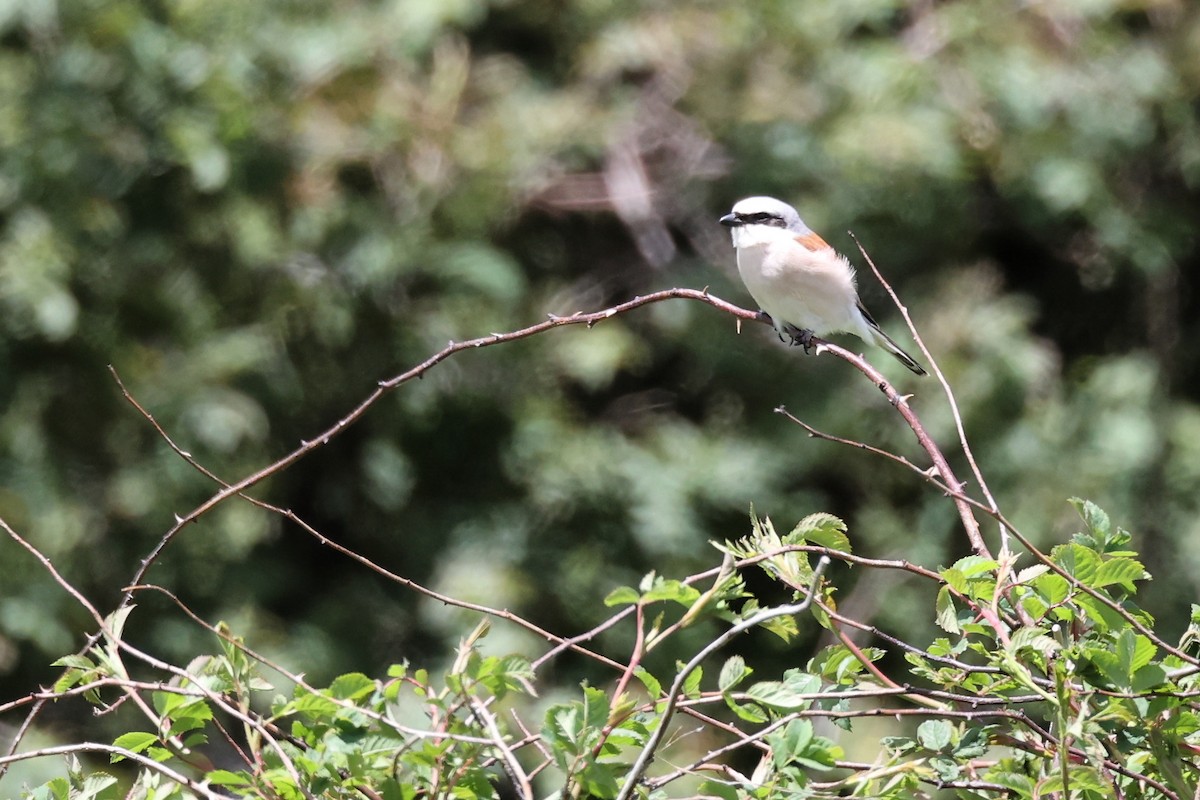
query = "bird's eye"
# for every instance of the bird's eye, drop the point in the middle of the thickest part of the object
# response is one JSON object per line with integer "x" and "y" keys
{"x": 764, "y": 218}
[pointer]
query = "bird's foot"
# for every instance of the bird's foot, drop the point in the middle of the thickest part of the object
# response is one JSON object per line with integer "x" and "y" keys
{"x": 798, "y": 336}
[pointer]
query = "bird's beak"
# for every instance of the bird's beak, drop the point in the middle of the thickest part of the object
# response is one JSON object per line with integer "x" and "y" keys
{"x": 731, "y": 221}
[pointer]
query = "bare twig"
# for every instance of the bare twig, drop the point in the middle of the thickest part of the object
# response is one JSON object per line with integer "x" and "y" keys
{"x": 635, "y": 773}
{"x": 937, "y": 370}
{"x": 199, "y": 787}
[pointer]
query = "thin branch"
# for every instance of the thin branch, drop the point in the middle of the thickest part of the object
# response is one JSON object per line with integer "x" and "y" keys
{"x": 937, "y": 370}
{"x": 643, "y": 760}
{"x": 199, "y": 787}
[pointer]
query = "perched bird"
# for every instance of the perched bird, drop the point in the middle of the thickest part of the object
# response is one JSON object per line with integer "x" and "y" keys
{"x": 803, "y": 284}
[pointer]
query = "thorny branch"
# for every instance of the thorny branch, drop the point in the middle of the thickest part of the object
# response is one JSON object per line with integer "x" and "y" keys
{"x": 940, "y": 476}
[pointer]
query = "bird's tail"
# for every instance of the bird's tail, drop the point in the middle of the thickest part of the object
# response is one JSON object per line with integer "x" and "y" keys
{"x": 889, "y": 344}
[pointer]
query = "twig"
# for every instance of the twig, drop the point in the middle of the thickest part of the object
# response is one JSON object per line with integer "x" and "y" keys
{"x": 198, "y": 787}
{"x": 937, "y": 370}
{"x": 643, "y": 760}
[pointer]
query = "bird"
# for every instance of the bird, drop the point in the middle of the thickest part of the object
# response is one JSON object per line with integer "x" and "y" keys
{"x": 805, "y": 286}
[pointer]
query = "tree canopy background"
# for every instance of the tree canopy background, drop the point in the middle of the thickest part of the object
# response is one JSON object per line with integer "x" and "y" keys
{"x": 256, "y": 211}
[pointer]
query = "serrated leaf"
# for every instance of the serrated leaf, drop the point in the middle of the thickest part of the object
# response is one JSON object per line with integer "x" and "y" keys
{"x": 947, "y": 614}
{"x": 76, "y": 661}
{"x": 935, "y": 735}
{"x": 778, "y": 695}
{"x": 351, "y": 686}
{"x": 652, "y": 684}
{"x": 972, "y": 744}
{"x": 947, "y": 768}
{"x": 790, "y": 743}
{"x": 718, "y": 789}
{"x": 1136, "y": 649}
{"x": 672, "y": 590}
{"x": 954, "y": 579}
{"x": 1034, "y": 639}
{"x": 1017, "y": 782}
{"x": 1077, "y": 561}
{"x": 1120, "y": 570}
{"x": 1053, "y": 588}
{"x": 115, "y": 622}
{"x": 746, "y": 711}
{"x": 1097, "y": 521}
{"x": 691, "y": 684}
{"x": 1151, "y": 676}
{"x": 1101, "y": 614}
{"x": 136, "y": 742}
{"x": 1029, "y": 573}
{"x": 733, "y": 672}
{"x": 190, "y": 717}
{"x": 970, "y": 566}
{"x": 622, "y": 596}
{"x": 824, "y": 530}
{"x": 223, "y": 777}
{"x": 783, "y": 627}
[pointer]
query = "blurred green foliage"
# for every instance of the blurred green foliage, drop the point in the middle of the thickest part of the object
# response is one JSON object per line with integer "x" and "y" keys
{"x": 255, "y": 211}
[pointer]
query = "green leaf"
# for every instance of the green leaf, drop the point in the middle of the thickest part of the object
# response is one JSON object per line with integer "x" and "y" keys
{"x": 791, "y": 742}
{"x": 599, "y": 780}
{"x": 973, "y": 743}
{"x": 947, "y": 614}
{"x": 222, "y": 777}
{"x": 947, "y": 768}
{"x": 1103, "y": 616}
{"x": 97, "y": 786}
{"x": 77, "y": 661}
{"x": 1120, "y": 570}
{"x": 783, "y": 627}
{"x": 652, "y": 684}
{"x": 691, "y": 684}
{"x": 622, "y": 596}
{"x": 973, "y": 566}
{"x": 351, "y": 686}
{"x": 1052, "y": 587}
{"x": 779, "y": 695}
{"x": 733, "y": 672}
{"x": 115, "y": 621}
{"x": 954, "y": 579}
{"x": 1077, "y": 561}
{"x": 1148, "y": 677}
{"x": 1139, "y": 649}
{"x": 1032, "y": 638}
{"x": 935, "y": 735}
{"x": 672, "y": 590}
{"x": 746, "y": 711}
{"x": 190, "y": 717}
{"x": 136, "y": 741}
{"x": 1097, "y": 521}
{"x": 724, "y": 791}
{"x": 824, "y": 530}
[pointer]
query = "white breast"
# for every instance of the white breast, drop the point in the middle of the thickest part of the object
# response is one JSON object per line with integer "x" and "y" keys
{"x": 810, "y": 290}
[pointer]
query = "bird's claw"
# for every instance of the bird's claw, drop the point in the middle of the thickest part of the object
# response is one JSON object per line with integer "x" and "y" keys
{"x": 789, "y": 334}
{"x": 797, "y": 336}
